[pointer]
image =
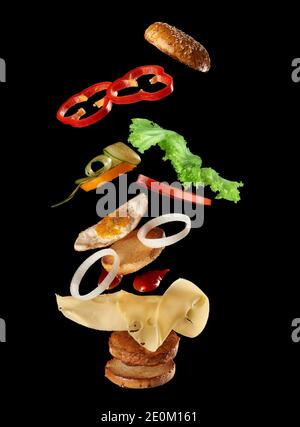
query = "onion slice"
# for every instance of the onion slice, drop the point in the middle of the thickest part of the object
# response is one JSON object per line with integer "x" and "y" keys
{"x": 164, "y": 241}
{"x": 82, "y": 269}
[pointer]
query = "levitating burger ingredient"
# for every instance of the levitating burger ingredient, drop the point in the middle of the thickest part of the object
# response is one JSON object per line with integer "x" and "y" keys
{"x": 149, "y": 281}
{"x": 82, "y": 269}
{"x": 149, "y": 319}
{"x": 108, "y": 176}
{"x": 123, "y": 347}
{"x": 132, "y": 253}
{"x": 114, "y": 226}
{"x": 130, "y": 79}
{"x": 104, "y": 105}
{"x": 145, "y": 134}
{"x": 138, "y": 377}
{"x": 178, "y": 45}
{"x": 171, "y": 191}
{"x": 76, "y": 119}
{"x": 122, "y": 153}
{"x": 133, "y": 366}
{"x": 117, "y": 159}
{"x": 164, "y": 241}
{"x": 117, "y": 280}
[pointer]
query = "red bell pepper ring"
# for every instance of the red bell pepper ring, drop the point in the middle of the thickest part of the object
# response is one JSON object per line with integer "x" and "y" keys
{"x": 130, "y": 80}
{"x": 75, "y": 120}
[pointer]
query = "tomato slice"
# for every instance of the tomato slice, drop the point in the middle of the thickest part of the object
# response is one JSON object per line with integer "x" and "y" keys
{"x": 169, "y": 191}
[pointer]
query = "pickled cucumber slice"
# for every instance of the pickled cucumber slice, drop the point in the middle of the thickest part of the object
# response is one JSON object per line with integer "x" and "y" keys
{"x": 122, "y": 152}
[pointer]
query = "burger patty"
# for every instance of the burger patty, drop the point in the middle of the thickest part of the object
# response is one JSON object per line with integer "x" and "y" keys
{"x": 123, "y": 347}
{"x": 139, "y": 376}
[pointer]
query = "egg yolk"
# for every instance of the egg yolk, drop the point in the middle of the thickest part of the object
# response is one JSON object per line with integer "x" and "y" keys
{"x": 111, "y": 226}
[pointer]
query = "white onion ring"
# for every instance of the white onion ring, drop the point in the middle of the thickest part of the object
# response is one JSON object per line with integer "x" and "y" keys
{"x": 82, "y": 269}
{"x": 164, "y": 241}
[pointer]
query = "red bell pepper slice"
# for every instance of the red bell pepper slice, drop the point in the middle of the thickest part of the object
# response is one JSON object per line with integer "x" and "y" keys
{"x": 168, "y": 190}
{"x": 130, "y": 80}
{"x": 75, "y": 120}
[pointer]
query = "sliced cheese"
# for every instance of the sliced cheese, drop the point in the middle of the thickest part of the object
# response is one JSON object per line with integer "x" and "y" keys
{"x": 101, "y": 313}
{"x": 149, "y": 319}
{"x": 183, "y": 308}
{"x": 141, "y": 314}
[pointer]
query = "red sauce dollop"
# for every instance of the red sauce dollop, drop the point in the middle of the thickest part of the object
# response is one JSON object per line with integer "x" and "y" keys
{"x": 114, "y": 283}
{"x": 149, "y": 281}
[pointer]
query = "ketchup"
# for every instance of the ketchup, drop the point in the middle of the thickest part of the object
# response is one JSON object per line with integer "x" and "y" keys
{"x": 114, "y": 283}
{"x": 149, "y": 281}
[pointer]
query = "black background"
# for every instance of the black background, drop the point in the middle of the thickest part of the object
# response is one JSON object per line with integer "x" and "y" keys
{"x": 242, "y": 118}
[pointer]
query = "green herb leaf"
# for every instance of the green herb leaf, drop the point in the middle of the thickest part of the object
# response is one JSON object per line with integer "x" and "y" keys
{"x": 145, "y": 134}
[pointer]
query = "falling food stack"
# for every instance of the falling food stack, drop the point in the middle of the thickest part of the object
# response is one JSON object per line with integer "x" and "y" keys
{"x": 144, "y": 340}
{"x": 133, "y": 366}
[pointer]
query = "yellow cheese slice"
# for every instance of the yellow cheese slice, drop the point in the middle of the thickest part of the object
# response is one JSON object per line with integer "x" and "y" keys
{"x": 141, "y": 314}
{"x": 101, "y": 313}
{"x": 183, "y": 308}
{"x": 149, "y": 319}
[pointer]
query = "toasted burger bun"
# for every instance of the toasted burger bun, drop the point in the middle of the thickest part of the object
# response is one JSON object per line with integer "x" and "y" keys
{"x": 132, "y": 253}
{"x": 123, "y": 347}
{"x": 139, "y": 376}
{"x": 178, "y": 45}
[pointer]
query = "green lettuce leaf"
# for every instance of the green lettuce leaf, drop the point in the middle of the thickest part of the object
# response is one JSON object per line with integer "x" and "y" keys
{"x": 145, "y": 134}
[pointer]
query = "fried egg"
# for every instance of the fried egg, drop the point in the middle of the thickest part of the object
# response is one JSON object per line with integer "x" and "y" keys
{"x": 114, "y": 226}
